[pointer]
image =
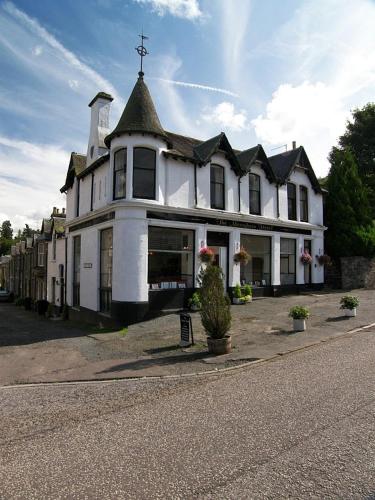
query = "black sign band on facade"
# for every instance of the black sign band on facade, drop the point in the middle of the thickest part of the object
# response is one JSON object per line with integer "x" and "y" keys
{"x": 194, "y": 219}
{"x": 92, "y": 222}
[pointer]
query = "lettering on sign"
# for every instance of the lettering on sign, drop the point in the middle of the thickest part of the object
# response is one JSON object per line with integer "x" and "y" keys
{"x": 186, "y": 330}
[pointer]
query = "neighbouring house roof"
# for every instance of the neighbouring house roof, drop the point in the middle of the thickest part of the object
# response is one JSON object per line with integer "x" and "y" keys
{"x": 283, "y": 165}
{"x": 77, "y": 164}
{"x": 96, "y": 164}
{"x": 139, "y": 115}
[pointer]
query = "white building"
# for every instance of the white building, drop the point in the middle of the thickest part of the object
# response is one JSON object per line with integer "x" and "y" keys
{"x": 56, "y": 255}
{"x": 144, "y": 201}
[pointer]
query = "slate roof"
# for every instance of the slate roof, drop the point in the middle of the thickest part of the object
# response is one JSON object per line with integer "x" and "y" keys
{"x": 284, "y": 163}
{"x": 139, "y": 115}
{"x": 248, "y": 157}
{"x": 77, "y": 164}
{"x": 102, "y": 95}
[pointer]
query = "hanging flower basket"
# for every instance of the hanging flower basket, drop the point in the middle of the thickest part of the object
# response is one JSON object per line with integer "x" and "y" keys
{"x": 241, "y": 257}
{"x": 306, "y": 259}
{"x": 206, "y": 255}
{"x": 324, "y": 260}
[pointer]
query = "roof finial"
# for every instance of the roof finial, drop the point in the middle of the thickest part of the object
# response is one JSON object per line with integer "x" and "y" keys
{"x": 142, "y": 51}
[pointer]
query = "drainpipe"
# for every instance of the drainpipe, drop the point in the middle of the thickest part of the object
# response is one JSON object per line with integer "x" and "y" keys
{"x": 277, "y": 200}
{"x": 195, "y": 185}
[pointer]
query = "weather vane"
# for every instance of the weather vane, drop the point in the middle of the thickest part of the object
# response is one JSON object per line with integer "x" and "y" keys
{"x": 142, "y": 51}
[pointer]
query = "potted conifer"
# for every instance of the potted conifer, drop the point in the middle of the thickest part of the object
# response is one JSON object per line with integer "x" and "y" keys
{"x": 215, "y": 312}
{"x": 299, "y": 315}
{"x": 195, "y": 302}
{"x": 349, "y": 304}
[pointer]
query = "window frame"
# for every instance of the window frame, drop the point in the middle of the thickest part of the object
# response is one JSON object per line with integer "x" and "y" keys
{"x": 284, "y": 255}
{"x": 105, "y": 293}
{"x": 295, "y": 201}
{"x": 41, "y": 255}
{"x": 213, "y": 166}
{"x": 305, "y": 189}
{"x": 123, "y": 169}
{"x": 147, "y": 170}
{"x": 259, "y": 212}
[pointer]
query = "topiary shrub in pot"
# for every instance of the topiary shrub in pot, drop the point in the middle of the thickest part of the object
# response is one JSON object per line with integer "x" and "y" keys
{"x": 195, "y": 302}
{"x": 349, "y": 304}
{"x": 299, "y": 315}
{"x": 215, "y": 313}
{"x": 237, "y": 295}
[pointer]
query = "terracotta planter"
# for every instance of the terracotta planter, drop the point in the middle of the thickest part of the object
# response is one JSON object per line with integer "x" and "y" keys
{"x": 351, "y": 313}
{"x": 220, "y": 346}
{"x": 299, "y": 325}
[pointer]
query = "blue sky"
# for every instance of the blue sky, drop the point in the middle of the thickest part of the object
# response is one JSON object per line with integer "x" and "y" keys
{"x": 282, "y": 71}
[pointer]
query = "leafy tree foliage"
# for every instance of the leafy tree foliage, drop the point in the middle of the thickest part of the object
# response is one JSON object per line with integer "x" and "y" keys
{"x": 6, "y": 230}
{"x": 348, "y": 213}
{"x": 359, "y": 137}
{"x": 215, "y": 313}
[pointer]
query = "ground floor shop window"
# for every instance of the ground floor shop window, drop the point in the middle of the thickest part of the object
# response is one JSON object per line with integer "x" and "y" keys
{"x": 287, "y": 261}
{"x": 106, "y": 251}
{"x": 258, "y": 269}
{"x": 170, "y": 258}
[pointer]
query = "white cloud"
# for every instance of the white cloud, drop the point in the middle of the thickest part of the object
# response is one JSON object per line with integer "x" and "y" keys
{"x": 31, "y": 175}
{"x": 331, "y": 69}
{"x": 188, "y": 9}
{"x": 37, "y": 50}
{"x": 225, "y": 116}
{"x": 73, "y": 84}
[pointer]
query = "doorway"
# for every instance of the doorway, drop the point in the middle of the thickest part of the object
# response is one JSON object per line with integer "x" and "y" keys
{"x": 219, "y": 243}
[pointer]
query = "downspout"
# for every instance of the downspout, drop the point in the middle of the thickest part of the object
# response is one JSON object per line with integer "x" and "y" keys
{"x": 239, "y": 194}
{"x": 195, "y": 186}
{"x": 92, "y": 192}
{"x": 278, "y": 201}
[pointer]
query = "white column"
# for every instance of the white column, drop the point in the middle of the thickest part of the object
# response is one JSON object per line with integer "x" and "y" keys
{"x": 234, "y": 247}
{"x": 300, "y": 271}
{"x": 200, "y": 242}
{"x": 317, "y": 248}
{"x": 275, "y": 259}
{"x": 130, "y": 256}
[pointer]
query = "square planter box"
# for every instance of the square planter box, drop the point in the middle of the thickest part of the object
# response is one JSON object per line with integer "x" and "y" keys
{"x": 299, "y": 325}
{"x": 351, "y": 313}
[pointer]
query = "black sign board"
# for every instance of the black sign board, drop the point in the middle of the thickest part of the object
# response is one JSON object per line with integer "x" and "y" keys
{"x": 186, "y": 330}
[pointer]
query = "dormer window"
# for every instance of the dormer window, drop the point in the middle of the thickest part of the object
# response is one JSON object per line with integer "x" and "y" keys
{"x": 119, "y": 174}
{"x": 292, "y": 204}
{"x": 303, "y": 202}
{"x": 217, "y": 187}
{"x": 254, "y": 193}
{"x": 144, "y": 173}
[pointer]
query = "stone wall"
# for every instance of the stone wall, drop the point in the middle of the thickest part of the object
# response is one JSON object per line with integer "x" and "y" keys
{"x": 357, "y": 272}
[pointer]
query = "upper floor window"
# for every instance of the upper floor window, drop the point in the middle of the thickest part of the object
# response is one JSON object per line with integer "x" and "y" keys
{"x": 41, "y": 254}
{"x": 292, "y": 206}
{"x": 217, "y": 187}
{"x": 303, "y": 203}
{"x": 144, "y": 172}
{"x": 54, "y": 246}
{"x": 254, "y": 185}
{"x": 119, "y": 174}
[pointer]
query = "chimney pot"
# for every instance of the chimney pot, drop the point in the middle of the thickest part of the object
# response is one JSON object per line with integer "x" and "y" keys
{"x": 294, "y": 145}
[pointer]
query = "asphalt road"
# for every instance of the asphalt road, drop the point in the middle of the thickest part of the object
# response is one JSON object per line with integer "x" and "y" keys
{"x": 302, "y": 426}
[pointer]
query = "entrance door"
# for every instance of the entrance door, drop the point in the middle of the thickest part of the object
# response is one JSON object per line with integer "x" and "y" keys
{"x": 220, "y": 259}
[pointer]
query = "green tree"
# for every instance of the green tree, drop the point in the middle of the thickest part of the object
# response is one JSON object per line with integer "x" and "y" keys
{"x": 215, "y": 313}
{"x": 348, "y": 214}
{"x": 359, "y": 137}
{"x": 6, "y": 230}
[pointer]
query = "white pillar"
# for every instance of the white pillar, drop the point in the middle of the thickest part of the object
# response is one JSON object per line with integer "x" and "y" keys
{"x": 317, "y": 248}
{"x": 275, "y": 259}
{"x": 300, "y": 268}
{"x": 234, "y": 247}
{"x": 130, "y": 256}
{"x": 200, "y": 242}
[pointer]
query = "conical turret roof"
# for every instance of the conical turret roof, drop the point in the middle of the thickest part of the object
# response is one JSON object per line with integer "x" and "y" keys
{"x": 139, "y": 115}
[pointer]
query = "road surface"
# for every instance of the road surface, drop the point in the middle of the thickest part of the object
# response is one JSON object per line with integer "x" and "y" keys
{"x": 301, "y": 426}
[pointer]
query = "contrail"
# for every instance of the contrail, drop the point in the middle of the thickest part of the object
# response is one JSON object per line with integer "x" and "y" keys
{"x": 195, "y": 86}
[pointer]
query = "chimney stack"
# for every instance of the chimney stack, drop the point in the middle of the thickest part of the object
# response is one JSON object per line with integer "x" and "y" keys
{"x": 294, "y": 145}
{"x": 99, "y": 126}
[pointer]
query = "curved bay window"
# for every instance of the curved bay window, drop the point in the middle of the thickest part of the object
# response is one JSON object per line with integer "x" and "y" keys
{"x": 170, "y": 258}
{"x": 254, "y": 186}
{"x": 144, "y": 173}
{"x": 292, "y": 205}
{"x": 257, "y": 271}
{"x": 303, "y": 204}
{"x": 119, "y": 174}
{"x": 217, "y": 187}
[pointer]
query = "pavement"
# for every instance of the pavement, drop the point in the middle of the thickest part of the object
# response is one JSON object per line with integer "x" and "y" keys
{"x": 299, "y": 427}
{"x": 35, "y": 349}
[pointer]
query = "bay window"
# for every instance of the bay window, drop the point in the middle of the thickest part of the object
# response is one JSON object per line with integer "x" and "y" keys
{"x": 144, "y": 173}
{"x": 119, "y": 174}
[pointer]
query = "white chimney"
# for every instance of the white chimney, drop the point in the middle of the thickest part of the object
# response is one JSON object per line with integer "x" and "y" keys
{"x": 294, "y": 145}
{"x": 99, "y": 126}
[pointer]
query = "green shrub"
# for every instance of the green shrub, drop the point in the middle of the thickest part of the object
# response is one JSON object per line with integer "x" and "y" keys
{"x": 349, "y": 302}
{"x": 215, "y": 314}
{"x": 237, "y": 292}
{"x": 247, "y": 290}
{"x": 195, "y": 300}
{"x": 299, "y": 312}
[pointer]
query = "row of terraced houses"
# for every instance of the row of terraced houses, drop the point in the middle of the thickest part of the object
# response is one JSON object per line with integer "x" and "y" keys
{"x": 143, "y": 202}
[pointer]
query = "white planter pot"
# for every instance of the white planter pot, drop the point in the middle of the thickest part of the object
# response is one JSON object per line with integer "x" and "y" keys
{"x": 299, "y": 325}
{"x": 237, "y": 301}
{"x": 350, "y": 312}
{"x": 194, "y": 307}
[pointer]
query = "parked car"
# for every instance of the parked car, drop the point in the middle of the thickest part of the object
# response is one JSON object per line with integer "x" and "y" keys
{"x": 5, "y": 296}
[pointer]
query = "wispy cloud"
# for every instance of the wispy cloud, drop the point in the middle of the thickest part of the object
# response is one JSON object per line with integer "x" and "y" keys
{"x": 195, "y": 86}
{"x": 187, "y": 9}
